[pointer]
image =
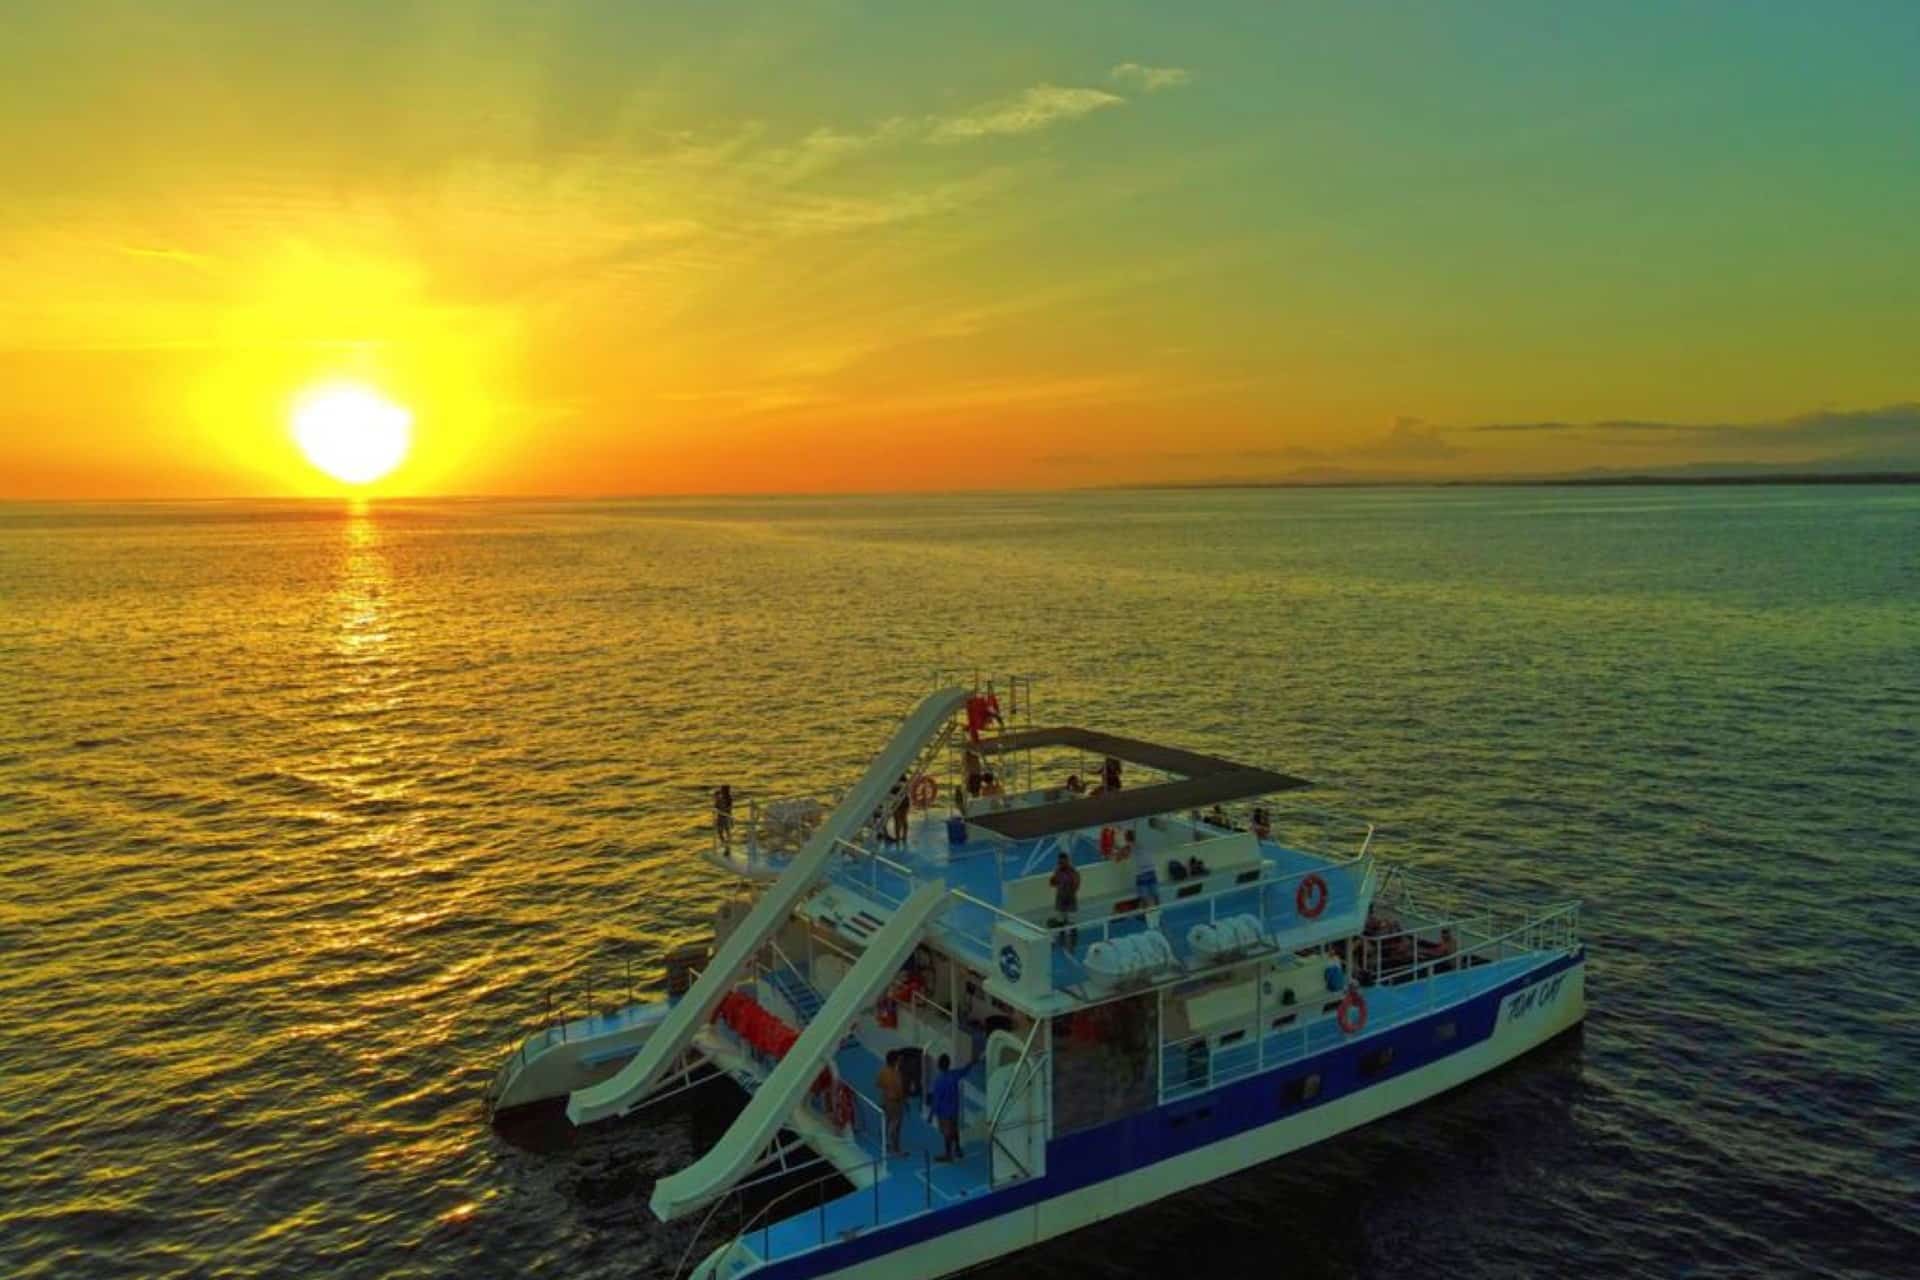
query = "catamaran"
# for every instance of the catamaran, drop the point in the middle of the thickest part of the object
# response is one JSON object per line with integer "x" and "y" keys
{"x": 1198, "y": 994}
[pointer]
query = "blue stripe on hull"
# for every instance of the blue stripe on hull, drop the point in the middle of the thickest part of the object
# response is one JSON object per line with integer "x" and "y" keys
{"x": 1095, "y": 1155}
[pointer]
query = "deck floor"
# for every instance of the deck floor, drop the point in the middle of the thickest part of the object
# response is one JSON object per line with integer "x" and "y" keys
{"x": 980, "y": 869}
{"x": 908, "y": 1184}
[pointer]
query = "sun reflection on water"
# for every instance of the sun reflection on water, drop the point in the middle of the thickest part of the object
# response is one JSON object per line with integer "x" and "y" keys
{"x": 366, "y": 577}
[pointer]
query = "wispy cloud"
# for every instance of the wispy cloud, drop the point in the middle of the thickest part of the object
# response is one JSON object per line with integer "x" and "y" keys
{"x": 1150, "y": 79}
{"x": 1036, "y": 108}
{"x": 1824, "y": 428}
{"x": 1410, "y": 440}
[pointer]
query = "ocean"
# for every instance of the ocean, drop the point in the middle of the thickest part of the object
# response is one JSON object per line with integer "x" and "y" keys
{"x": 304, "y": 806}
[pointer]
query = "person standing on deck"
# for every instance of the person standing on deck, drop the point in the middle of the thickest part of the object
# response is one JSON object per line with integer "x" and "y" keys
{"x": 1110, "y": 774}
{"x": 943, "y": 1100}
{"x": 1066, "y": 897}
{"x": 892, "y": 1087}
{"x": 1146, "y": 880}
{"x": 901, "y": 805}
{"x": 723, "y": 814}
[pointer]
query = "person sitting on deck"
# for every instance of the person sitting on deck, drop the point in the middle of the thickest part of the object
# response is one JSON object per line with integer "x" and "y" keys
{"x": 943, "y": 1100}
{"x": 989, "y": 785}
{"x": 1075, "y": 787}
{"x": 723, "y": 814}
{"x": 892, "y": 1088}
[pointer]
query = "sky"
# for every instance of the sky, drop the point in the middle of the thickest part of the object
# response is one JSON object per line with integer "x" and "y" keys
{"x": 645, "y": 247}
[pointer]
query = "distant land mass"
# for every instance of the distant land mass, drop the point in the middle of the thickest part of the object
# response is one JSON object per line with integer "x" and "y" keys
{"x": 1691, "y": 474}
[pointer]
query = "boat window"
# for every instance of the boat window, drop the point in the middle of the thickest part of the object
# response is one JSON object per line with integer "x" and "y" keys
{"x": 1445, "y": 1031}
{"x": 1103, "y": 1062}
{"x": 1300, "y": 1090}
{"x": 1372, "y": 1064}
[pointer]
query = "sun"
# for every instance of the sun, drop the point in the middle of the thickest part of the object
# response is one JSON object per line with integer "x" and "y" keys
{"x": 351, "y": 432}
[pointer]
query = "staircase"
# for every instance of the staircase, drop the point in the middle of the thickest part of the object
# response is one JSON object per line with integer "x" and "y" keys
{"x": 759, "y": 1122}
{"x": 623, "y": 1091}
{"x": 799, "y": 993}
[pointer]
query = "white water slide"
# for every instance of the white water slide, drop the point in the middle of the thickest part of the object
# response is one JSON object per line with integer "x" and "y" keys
{"x": 622, "y": 1092}
{"x": 738, "y": 1150}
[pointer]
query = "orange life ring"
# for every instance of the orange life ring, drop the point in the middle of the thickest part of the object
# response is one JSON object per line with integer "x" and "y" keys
{"x": 1310, "y": 899}
{"x": 924, "y": 790}
{"x": 842, "y": 1105}
{"x": 1353, "y": 1012}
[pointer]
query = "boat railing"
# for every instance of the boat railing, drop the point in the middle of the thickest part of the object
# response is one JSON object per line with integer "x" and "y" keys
{"x": 566, "y": 1005}
{"x": 1550, "y": 930}
{"x": 736, "y": 1197}
{"x": 1016, "y": 689}
{"x": 866, "y": 869}
{"x": 1277, "y": 819}
{"x": 1348, "y": 877}
{"x": 1553, "y": 929}
{"x": 761, "y": 828}
{"x": 852, "y": 1214}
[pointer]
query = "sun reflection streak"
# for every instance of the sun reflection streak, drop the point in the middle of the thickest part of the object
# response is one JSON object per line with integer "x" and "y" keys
{"x": 366, "y": 578}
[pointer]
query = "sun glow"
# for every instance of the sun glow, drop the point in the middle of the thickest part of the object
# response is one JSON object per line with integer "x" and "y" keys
{"x": 351, "y": 432}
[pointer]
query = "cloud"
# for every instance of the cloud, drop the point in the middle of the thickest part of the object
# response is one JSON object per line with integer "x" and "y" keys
{"x": 1034, "y": 109}
{"x": 1178, "y": 457}
{"x": 1151, "y": 79}
{"x": 1410, "y": 438}
{"x": 1825, "y": 428}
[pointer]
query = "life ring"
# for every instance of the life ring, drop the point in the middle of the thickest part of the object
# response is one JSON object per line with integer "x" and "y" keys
{"x": 1353, "y": 1012}
{"x": 924, "y": 790}
{"x": 1310, "y": 899}
{"x": 842, "y": 1105}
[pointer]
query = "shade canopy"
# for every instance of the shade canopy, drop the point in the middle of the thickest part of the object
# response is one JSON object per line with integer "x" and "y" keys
{"x": 1204, "y": 780}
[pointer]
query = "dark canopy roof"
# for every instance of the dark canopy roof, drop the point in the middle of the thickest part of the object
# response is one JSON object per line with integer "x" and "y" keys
{"x": 1206, "y": 780}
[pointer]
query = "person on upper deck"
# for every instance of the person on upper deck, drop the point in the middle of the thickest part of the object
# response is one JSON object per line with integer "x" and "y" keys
{"x": 900, "y": 808}
{"x": 1110, "y": 774}
{"x": 1146, "y": 880}
{"x": 1262, "y": 824}
{"x": 1075, "y": 787}
{"x": 1066, "y": 895}
{"x": 723, "y": 813}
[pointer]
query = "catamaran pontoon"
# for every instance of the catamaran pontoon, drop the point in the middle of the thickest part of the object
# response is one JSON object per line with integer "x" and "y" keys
{"x": 1209, "y": 997}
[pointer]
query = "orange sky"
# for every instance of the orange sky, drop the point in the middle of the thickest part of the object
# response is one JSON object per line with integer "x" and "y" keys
{"x": 750, "y": 247}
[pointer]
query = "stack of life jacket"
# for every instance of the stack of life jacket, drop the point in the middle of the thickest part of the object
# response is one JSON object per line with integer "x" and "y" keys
{"x": 753, "y": 1023}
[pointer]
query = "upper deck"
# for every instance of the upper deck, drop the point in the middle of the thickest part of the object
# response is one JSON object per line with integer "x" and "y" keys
{"x": 1208, "y": 828}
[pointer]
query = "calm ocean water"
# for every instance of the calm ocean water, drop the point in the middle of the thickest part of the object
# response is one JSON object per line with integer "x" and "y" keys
{"x": 302, "y": 807}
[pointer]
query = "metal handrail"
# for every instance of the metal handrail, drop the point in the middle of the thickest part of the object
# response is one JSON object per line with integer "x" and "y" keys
{"x": 1104, "y": 925}
{"x": 1025, "y": 1048}
{"x": 734, "y": 1192}
{"x": 762, "y": 1219}
{"x": 1532, "y": 928}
